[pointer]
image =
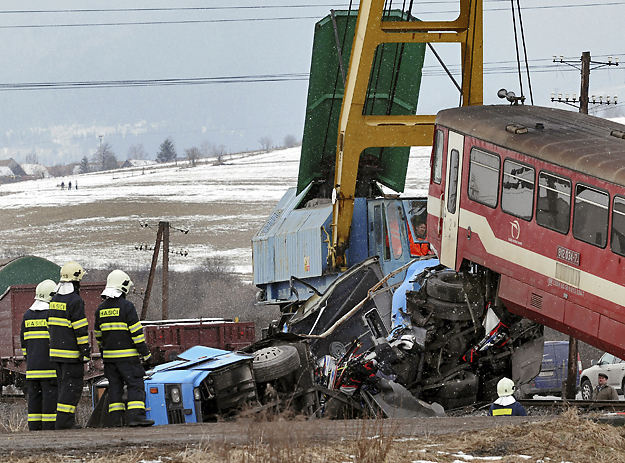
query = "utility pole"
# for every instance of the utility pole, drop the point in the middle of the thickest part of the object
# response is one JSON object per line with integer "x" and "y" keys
{"x": 585, "y": 68}
{"x": 161, "y": 235}
{"x": 571, "y": 378}
{"x": 165, "y": 304}
{"x": 583, "y": 93}
{"x": 148, "y": 289}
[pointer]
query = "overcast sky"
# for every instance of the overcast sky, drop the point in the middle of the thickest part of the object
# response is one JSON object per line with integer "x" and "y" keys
{"x": 267, "y": 40}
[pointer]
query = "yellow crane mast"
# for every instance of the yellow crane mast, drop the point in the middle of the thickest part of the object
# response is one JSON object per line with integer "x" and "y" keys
{"x": 358, "y": 131}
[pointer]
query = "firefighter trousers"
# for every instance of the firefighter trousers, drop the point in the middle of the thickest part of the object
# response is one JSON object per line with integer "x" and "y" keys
{"x": 70, "y": 381}
{"x": 42, "y": 397}
{"x": 130, "y": 373}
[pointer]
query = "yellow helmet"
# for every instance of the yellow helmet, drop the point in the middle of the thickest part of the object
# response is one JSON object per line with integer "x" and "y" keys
{"x": 119, "y": 280}
{"x": 45, "y": 290}
{"x": 72, "y": 271}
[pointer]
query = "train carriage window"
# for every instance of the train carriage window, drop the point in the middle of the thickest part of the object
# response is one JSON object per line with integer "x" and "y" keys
{"x": 617, "y": 237}
{"x": 590, "y": 215}
{"x": 484, "y": 177}
{"x": 452, "y": 185}
{"x": 553, "y": 206}
{"x": 517, "y": 195}
{"x": 437, "y": 161}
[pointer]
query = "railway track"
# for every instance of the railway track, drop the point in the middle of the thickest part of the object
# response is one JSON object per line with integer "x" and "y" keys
{"x": 546, "y": 404}
{"x": 586, "y": 404}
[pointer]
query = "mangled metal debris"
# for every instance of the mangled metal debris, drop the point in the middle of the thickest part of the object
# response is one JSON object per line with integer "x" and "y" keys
{"x": 361, "y": 349}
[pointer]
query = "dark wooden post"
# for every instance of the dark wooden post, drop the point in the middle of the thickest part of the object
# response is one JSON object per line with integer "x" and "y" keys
{"x": 165, "y": 308}
{"x": 583, "y": 93}
{"x": 148, "y": 289}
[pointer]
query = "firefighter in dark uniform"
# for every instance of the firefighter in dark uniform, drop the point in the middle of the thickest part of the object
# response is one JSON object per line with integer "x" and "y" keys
{"x": 122, "y": 344}
{"x": 506, "y": 404}
{"x": 69, "y": 343}
{"x": 40, "y": 372}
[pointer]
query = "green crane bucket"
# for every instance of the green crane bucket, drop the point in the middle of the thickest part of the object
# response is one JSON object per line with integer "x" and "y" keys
{"x": 393, "y": 90}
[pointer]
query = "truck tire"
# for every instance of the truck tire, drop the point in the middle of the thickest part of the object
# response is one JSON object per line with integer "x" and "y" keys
{"x": 275, "y": 362}
{"x": 586, "y": 390}
{"x": 446, "y": 286}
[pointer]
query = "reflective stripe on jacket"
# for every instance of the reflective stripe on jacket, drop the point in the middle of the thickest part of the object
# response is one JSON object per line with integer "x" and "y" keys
{"x": 119, "y": 331}
{"x": 68, "y": 326}
{"x": 35, "y": 341}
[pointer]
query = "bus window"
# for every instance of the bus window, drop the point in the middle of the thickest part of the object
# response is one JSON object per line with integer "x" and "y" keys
{"x": 452, "y": 187}
{"x": 387, "y": 247}
{"x": 553, "y": 206}
{"x": 590, "y": 216}
{"x": 393, "y": 225}
{"x": 517, "y": 195}
{"x": 484, "y": 177}
{"x": 437, "y": 162}
{"x": 377, "y": 224}
{"x": 617, "y": 238}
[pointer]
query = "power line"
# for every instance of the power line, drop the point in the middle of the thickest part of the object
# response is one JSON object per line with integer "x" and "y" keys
{"x": 153, "y": 82}
{"x": 268, "y": 7}
{"x": 500, "y": 67}
{"x": 236, "y": 20}
{"x": 204, "y": 8}
{"x": 153, "y": 23}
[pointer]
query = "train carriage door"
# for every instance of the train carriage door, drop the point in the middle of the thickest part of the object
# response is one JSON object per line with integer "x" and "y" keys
{"x": 451, "y": 205}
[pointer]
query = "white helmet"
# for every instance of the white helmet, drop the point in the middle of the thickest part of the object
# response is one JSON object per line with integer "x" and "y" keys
{"x": 119, "y": 282}
{"x": 45, "y": 290}
{"x": 505, "y": 387}
{"x": 72, "y": 271}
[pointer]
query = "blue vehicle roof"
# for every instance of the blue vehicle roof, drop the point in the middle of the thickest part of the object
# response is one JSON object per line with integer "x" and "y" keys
{"x": 177, "y": 377}
{"x": 203, "y": 358}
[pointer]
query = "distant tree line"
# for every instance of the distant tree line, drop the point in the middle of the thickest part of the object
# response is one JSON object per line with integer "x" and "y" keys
{"x": 105, "y": 158}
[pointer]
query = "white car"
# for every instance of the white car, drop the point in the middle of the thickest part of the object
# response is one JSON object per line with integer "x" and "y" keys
{"x": 612, "y": 366}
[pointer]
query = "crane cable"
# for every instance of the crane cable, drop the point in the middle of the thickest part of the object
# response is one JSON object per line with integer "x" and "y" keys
{"x": 516, "y": 43}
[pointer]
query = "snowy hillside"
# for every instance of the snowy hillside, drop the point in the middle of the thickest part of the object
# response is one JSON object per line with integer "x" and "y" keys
{"x": 98, "y": 223}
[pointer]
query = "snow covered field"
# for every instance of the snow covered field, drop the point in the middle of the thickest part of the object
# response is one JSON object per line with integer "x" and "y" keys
{"x": 99, "y": 223}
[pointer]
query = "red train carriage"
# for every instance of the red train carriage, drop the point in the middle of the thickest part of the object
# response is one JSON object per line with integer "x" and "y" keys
{"x": 534, "y": 198}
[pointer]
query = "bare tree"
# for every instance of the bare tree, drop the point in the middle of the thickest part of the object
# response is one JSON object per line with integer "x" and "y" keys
{"x": 137, "y": 152}
{"x": 105, "y": 157}
{"x": 219, "y": 151}
{"x": 193, "y": 154}
{"x": 206, "y": 149}
{"x": 265, "y": 143}
{"x": 58, "y": 170}
{"x": 290, "y": 141}
{"x": 31, "y": 158}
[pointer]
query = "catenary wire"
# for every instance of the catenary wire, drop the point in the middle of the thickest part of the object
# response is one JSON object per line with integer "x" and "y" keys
{"x": 235, "y": 20}
{"x": 503, "y": 67}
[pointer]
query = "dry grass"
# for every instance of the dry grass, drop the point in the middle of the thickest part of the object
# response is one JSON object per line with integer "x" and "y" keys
{"x": 14, "y": 414}
{"x": 568, "y": 438}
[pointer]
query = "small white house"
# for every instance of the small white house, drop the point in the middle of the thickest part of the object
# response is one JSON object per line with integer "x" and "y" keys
{"x": 36, "y": 170}
{"x": 138, "y": 163}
